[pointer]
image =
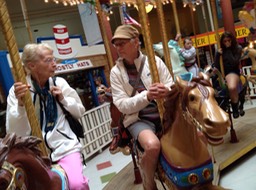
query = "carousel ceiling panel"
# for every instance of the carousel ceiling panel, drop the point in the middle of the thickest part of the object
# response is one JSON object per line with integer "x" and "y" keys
{"x": 37, "y": 8}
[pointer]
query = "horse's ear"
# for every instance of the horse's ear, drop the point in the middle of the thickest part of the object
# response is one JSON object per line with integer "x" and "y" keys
{"x": 204, "y": 76}
{"x": 181, "y": 83}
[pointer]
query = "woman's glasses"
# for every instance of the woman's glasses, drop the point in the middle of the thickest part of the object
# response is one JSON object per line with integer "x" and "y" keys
{"x": 50, "y": 60}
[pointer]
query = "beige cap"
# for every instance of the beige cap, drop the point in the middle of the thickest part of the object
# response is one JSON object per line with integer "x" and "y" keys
{"x": 125, "y": 32}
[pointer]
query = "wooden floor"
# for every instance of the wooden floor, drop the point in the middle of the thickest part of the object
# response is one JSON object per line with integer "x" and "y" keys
{"x": 225, "y": 154}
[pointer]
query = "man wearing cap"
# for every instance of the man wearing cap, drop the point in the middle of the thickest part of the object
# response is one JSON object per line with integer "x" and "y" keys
{"x": 140, "y": 111}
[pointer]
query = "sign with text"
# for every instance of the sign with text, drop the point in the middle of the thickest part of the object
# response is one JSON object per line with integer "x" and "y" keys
{"x": 73, "y": 66}
{"x": 210, "y": 37}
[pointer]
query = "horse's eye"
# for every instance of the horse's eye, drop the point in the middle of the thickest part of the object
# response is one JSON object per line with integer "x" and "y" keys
{"x": 191, "y": 98}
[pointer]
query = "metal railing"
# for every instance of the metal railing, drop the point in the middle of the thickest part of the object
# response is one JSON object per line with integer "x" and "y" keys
{"x": 98, "y": 134}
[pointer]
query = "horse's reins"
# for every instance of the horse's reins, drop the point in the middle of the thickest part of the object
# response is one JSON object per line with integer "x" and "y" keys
{"x": 198, "y": 126}
{"x": 192, "y": 119}
{"x": 18, "y": 177}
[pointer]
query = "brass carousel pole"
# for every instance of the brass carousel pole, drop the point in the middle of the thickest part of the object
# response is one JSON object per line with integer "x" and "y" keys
{"x": 215, "y": 20}
{"x": 104, "y": 34}
{"x": 167, "y": 57}
{"x": 25, "y": 15}
{"x": 216, "y": 27}
{"x": 207, "y": 31}
{"x": 194, "y": 30}
{"x": 176, "y": 20}
{"x": 254, "y": 2}
{"x": 149, "y": 48}
{"x": 19, "y": 71}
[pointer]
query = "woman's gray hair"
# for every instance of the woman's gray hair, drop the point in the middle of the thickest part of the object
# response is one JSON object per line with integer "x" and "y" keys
{"x": 33, "y": 52}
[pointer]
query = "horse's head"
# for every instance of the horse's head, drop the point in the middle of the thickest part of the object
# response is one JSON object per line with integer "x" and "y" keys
{"x": 177, "y": 60}
{"x": 249, "y": 52}
{"x": 195, "y": 100}
{"x": 18, "y": 155}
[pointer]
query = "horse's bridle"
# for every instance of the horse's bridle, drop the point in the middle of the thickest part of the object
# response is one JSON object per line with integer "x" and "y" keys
{"x": 192, "y": 119}
{"x": 18, "y": 178}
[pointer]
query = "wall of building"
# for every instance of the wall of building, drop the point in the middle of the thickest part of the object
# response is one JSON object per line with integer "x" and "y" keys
{"x": 43, "y": 17}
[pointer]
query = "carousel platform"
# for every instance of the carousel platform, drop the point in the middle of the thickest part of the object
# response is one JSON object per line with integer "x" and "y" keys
{"x": 228, "y": 153}
{"x": 224, "y": 155}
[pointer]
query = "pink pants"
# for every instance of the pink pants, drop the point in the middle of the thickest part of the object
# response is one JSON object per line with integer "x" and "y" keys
{"x": 72, "y": 164}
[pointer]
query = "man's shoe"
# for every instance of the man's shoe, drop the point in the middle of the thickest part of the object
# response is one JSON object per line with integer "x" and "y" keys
{"x": 114, "y": 148}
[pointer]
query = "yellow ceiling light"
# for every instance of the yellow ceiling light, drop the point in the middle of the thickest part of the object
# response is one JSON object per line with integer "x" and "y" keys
{"x": 148, "y": 7}
{"x": 66, "y": 2}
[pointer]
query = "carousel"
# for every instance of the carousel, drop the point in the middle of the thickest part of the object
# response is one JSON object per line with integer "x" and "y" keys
{"x": 207, "y": 127}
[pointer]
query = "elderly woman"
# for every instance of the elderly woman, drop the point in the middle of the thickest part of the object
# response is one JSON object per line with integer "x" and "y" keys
{"x": 63, "y": 145}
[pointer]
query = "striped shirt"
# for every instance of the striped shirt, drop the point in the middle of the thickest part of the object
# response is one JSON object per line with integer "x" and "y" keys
{"x": 150, "y": 112}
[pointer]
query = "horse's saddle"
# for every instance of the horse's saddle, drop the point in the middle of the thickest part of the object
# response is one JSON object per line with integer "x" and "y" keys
{"x": 61, "y": 172}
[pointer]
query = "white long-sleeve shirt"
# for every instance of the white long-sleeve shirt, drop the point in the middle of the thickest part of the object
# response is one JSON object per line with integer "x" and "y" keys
{"x": 122, "y": 90}
{"x": 61, "y": 140}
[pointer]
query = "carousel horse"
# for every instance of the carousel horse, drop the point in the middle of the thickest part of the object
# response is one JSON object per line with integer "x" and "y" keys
{"x": 191, "y": 120}
{"x": 251, "y": 53}
{"x": 120, "y": 139}
{"x": 176, "y": 60}
{"x": 247, "y": 17}
{"x": 23, "y": 167}
{"x": 221, "y": 91}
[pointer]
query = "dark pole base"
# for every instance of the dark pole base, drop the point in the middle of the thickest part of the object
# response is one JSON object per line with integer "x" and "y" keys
{"x": 138, "y": 179}
{"x": 137, "y": 175}
{"x": 232, "y": 130}
{"x": 233, "y": 136}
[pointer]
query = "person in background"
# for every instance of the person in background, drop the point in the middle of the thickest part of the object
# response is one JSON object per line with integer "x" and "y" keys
{"x": 231, "y": 53}
{"x": 63, "y": 145}
{"x": 141, "y": 116}
{"x": 189, "y": 55}
{"x": 100, "y": 89}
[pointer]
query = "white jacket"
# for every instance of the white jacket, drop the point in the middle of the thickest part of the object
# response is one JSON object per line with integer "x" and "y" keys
{"x": 61, "y": 140}
{"x": 122, "y": 90}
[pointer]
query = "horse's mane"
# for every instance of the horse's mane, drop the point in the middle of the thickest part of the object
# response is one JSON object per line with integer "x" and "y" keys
{"x": 11, "y": 141}
{"x": 174, "y": 96}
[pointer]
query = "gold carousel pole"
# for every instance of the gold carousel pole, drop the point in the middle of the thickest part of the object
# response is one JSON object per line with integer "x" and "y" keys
{"x": 254, "y": 2}
{"x": 25, "y": 15}
{"x": 194, "y": 30}
{"x": 207, "y": 31}
{"x": 104, "y": 34}
{"x": 19, "y": 71}
{"x": 149, "y": 48}
{"x": 216, "y": 27}
{"x": 167, "y": 57}
{"x": 176, "y": 20}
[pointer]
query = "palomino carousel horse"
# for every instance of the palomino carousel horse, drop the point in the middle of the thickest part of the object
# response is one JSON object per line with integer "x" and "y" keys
{"x": 190, "y": 107}
{"x": 251, "y": 53}
{"x": 176, "y": 60}
{"x": 23, "y": 167}
{"x": 247, "y": 17}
